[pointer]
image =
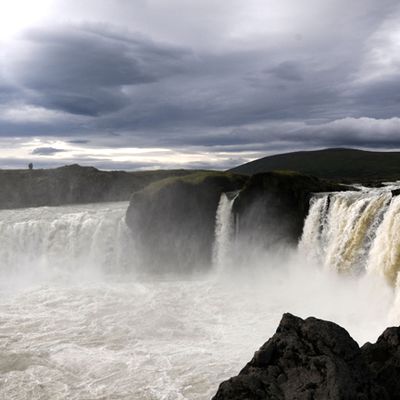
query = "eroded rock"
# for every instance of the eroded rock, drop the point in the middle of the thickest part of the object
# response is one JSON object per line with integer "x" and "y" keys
{"x": 315, "y": 359}
{"x": 173, "y": 221}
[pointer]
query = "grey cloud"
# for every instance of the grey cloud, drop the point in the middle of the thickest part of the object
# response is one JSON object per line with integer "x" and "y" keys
{"x": 93, "y": 103}
{"x": 79, "y": 141}
{"x": 198, "y": 104}
{"x": 220, "y": 92}
{"x": 379, "y": 98}
{"x": 46, "y": 151}
{"x": 84, "y": 69}
{"x": 288, "y": 71}
{"x": 9, "y": 93}
{"x": 29, "y": 129}
{"x": 357, "y": 132}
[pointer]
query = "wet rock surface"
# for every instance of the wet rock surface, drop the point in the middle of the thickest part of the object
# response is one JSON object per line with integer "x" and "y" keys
{"x": 176, "y": 221}
{"x": 272, "y": 206}
{"x": 315, "y": 359}
{"x": 383, "y": 359}
{"x": 176, "y": 217}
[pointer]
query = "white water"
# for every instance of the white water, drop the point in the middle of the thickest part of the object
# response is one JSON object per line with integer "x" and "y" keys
{"x": 37, "y": 243}
{"x": 358, "y": 234}
{"x": 352, "y": 232}
{"x": 224, "y": 232}
{"x": 384, "y": 256}
{"x": 77, "y": 323}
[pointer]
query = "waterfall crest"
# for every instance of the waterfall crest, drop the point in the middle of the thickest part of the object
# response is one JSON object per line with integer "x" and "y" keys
{"x": 354, "y": 231}
{"x": 348, "y": 232}
{"x": 65, "y": 239}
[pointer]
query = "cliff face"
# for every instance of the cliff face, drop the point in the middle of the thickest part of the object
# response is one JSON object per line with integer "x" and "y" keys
{"x": 315, "y": 359}
{"x": 173, "y": 220}
{"x": 383, "y": 359}
{"x": 272, "y": 206}
{"x": 71, "y": 185}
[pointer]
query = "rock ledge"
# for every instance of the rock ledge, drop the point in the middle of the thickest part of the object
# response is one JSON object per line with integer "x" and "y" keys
{"x": 314, "y": 359}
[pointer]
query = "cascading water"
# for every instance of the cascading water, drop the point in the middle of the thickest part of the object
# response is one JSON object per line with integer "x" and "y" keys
{"x": 354, "y": 231}
{"x": 121, "y": 337}
{"x": 60, "y": 240}
{"x": 224, "y": 231}
{"x": 384, "y": 256}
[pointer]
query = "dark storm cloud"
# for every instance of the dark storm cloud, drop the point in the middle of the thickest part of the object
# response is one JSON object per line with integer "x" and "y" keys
{"x": 10, "y": 128}
{"x": 288, "y": 71}
{"x": 348, "y": 132}
{"x": 84, "y": 69}
{"x": 79, "y": 141}
{"x": 46, "y": 151}
{"x": 8, "y": 92}
{"x": 231, "y": 99}
{"x": 379, "y": 99}
{"x": 178, "y": 76}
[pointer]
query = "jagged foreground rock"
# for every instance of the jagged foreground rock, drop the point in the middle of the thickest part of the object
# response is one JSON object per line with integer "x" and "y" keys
{"x": 313, "y": 359}
{"x": 383, "y": 359}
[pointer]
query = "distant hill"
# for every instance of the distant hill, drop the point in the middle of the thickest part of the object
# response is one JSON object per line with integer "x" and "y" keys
{"x": 74, "y": 184}
{"x": 347, "y": 165}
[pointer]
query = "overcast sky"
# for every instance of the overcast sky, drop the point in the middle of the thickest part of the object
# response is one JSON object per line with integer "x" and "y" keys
{"x": 136, "y": 84}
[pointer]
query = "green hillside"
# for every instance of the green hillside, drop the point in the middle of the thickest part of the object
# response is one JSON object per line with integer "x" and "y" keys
{"x": 348, "y": 165}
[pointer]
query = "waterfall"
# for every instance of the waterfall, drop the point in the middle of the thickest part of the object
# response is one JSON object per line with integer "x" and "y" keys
{"x": 354, "y": 231}
{"x": 349, "y": 232}
{"x": 310, "y": 244}
{"x": 224, "y": 230}
{"x": 53, "y": 240}
{"x": 385, "y": 252}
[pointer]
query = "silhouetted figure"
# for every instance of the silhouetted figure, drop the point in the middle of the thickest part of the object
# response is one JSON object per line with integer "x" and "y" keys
{"x": 30, "y": 166}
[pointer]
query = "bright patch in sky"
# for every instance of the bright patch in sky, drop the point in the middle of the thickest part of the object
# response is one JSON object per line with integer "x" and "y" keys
{"x": 16, "y": 15}
{"x": 210, "y": 83}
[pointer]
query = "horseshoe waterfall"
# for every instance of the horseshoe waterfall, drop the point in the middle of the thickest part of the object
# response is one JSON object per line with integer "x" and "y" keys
{"x": 355, "y": 232}
{"x": 81, "y": 319}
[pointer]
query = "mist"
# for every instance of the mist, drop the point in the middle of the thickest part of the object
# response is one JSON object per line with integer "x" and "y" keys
{"x": 84, "y": 319}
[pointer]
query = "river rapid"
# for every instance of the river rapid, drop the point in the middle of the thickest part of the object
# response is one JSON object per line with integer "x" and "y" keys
{"x": 80, "y": 320}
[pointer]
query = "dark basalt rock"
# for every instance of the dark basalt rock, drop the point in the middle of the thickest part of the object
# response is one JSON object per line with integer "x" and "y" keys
{"x": 272, "y": 206}
{"x": 173, "y": 221}
{"x": 395, "y": 192}
{"x": 383, "y": 359}
{"x": 315, "y": 359}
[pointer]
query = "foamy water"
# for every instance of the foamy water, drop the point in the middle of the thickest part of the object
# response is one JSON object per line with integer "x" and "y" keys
{"x": 155, "y": 340}
{"x": 89, "y": 327}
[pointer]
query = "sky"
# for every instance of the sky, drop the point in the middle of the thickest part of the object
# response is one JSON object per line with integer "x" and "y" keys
{"x": 144, "y": 84}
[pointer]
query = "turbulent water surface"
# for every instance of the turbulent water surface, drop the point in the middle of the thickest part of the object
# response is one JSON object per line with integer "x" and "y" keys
{"x": 77, "y": 321}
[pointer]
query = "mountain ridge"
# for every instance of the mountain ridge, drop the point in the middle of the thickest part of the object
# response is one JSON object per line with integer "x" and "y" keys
{"x": 342, "y": 164}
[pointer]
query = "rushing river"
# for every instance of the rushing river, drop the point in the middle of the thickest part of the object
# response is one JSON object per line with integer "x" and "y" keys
{"x": 78, "y": 321}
